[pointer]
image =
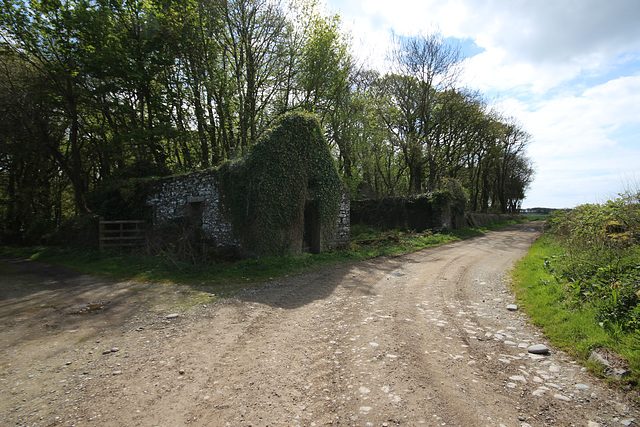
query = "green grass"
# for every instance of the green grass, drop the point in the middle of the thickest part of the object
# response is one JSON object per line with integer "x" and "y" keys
{"x": 571, "y": 326}
{"x": 225, "y": 277}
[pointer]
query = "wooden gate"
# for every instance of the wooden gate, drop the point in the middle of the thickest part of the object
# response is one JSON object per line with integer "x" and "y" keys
{"x": 120, "y": 234}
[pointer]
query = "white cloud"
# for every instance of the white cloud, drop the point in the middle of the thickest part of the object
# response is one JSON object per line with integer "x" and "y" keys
{"x": 620, "y": 97}
{"x": 533, "y": 43}
{"x": 583, "y": 145}
{"x": 568, "y": 70}
{"x": 586, "y": 122}
{"x": 562, "y": 31}
{"x": 542, "y": 44}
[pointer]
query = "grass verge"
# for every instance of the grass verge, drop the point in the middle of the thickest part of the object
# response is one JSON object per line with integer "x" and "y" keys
{"x": 570, "y": 325}
{"x": 226, "y": 277}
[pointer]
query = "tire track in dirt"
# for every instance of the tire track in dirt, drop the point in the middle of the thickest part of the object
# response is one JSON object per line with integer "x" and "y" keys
{"x": 457, "y": 318}
{"x": 419, "y": 339}
{"x": 448, "y": 385}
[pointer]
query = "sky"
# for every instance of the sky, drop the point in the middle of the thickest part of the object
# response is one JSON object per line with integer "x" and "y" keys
{"x": 567, "y": 70}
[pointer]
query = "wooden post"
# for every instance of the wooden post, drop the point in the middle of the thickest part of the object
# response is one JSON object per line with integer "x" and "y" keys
{"x": 101, "y": 234}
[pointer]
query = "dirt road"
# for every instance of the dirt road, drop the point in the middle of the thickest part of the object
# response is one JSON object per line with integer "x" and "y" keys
{"x": 419, "y": 339}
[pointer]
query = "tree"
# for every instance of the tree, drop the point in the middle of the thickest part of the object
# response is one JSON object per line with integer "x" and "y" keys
{"x": 44, "y": 35}
{"x": 402, "y": 118}
{"x": 94, "y": 89}
{"x": 517, "y": 182}
{"x": 367, "y": 158}
{"x": 253, "y": 36}
{"x": 32, "y": 186}
{"x": 427, "y": 65}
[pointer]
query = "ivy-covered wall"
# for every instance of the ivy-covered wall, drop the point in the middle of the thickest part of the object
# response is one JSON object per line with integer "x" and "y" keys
{"x": 262, "y": 201}
{"x": 418, "y": 213}
{"x": 265, "y": 193}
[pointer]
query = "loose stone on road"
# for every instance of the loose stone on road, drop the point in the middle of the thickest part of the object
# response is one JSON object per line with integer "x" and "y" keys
{"x": 419, "y": 339}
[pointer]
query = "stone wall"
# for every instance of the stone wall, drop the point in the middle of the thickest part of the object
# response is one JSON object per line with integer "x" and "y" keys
{"x": 343, "y": 224}
{"x": 180, "y": 198}
{"x": 417, "y": 213}
{"x": 195, "y": 197}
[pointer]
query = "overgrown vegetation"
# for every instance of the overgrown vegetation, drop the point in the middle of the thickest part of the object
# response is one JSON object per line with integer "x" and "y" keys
{"x": 601, "y": 262}
{"x": 92, "y": 90}
{"x": 581, "y": 281}
{"x": 220, "y": 275}
{"x": 419, "y": 212}
{"x": 124, "y": 194}
{"x": 265, "y": 192}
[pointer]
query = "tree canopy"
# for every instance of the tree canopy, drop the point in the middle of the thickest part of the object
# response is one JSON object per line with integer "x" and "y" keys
{"x": 92, "y": 90}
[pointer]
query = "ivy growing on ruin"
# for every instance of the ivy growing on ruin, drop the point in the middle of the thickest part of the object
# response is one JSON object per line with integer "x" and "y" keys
{"x": 264, "y": 193}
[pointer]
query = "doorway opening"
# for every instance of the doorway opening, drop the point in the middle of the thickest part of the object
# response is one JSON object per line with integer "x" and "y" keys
{"x": 194, "y": 211}
{"x": 311, "y": 235}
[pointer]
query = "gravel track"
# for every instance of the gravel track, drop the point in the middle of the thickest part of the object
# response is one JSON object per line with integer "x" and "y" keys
{"x": 419, "y": 339}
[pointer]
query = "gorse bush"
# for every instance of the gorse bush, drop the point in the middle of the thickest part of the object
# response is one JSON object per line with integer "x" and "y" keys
{"x": 601, "y": 261}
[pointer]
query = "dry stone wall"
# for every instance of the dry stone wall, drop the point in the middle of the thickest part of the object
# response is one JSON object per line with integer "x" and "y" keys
{"x": 418, "y": 213}
{"x": 183, "y": 197}
{"x": 343, "y": 226}
{"x": 195, "y": 197}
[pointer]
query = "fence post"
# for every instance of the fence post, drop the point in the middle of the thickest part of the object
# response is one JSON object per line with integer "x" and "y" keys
{"x": 101, "y": 228}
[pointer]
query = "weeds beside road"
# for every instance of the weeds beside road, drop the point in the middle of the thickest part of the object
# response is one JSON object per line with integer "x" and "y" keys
{"x": 581, "y": 281}
{"x": 222, "y": 277}
{"x": 571, "y": 321}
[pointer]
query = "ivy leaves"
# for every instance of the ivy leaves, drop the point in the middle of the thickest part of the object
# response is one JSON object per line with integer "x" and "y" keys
{"x": 264, "y": 193}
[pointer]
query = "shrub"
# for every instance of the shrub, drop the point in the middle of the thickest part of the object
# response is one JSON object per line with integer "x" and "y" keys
{"x": 124, "y": 194}
{"x": 78, "y": 231}
{"x": 178, "y": 243}
{"x": 601, "y": 266}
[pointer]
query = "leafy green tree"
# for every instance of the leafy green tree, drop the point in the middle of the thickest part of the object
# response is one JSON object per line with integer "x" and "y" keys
{"x": 427, "y": 65}
{"x": 512, "y": 169}
{"x": 519, "y": 176}
{"x": 32, "y": 187}
{"x": 367, "y": 160}
{"x": 401, "y": 116}
{"x": 45, "y": 35}
{"x": 93, "y": 89}
{"x": 254, "y": 33}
